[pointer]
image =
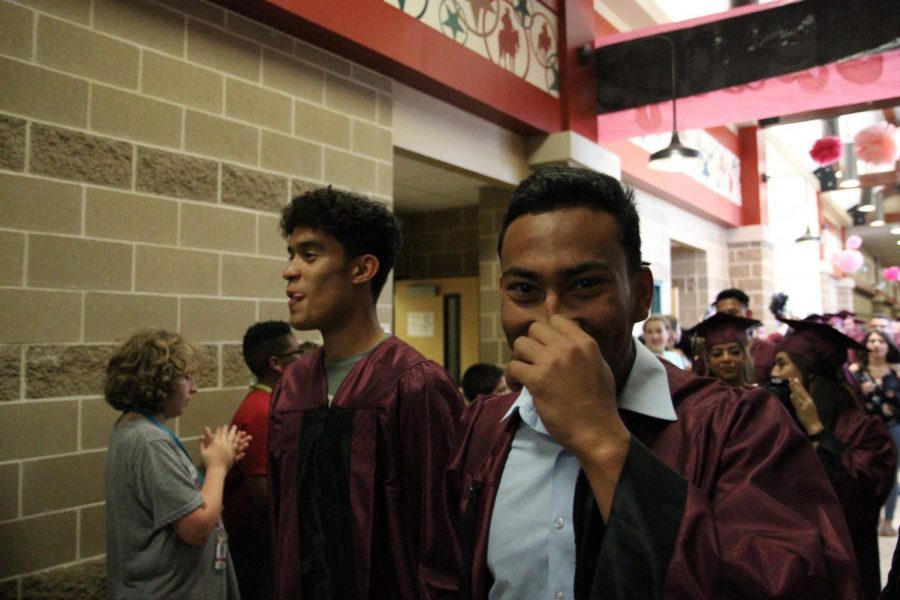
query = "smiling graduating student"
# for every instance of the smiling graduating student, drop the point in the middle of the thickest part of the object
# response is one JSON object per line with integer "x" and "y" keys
{"x": 614, "y": 474}
{"x": 361, "y": 429}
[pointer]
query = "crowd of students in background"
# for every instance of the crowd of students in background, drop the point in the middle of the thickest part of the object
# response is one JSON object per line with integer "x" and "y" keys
{"x": 352, "y": 470}
{"x": 837, "y": 377}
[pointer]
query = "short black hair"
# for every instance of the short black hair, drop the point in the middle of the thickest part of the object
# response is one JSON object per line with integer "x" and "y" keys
{"x": 480, "y": 378}
{"x": 360, "y": 226}
{"x": 262, "y": 340}
{"x": 557, "y": 188}
{"x": 735, "y": 293}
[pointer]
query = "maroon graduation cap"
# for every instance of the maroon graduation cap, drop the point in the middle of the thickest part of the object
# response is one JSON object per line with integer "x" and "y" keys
{"x": 819, "y": 342}
{"x": 722, "y": 328}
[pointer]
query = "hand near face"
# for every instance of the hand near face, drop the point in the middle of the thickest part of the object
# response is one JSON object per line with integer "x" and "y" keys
{"x": 573, "y": 387}
{"x": 805, "y": 407}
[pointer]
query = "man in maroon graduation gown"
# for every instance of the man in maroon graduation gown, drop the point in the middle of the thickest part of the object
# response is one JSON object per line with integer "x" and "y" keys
{"x": 682, "y": 487}
{"x": 361, "y": 429}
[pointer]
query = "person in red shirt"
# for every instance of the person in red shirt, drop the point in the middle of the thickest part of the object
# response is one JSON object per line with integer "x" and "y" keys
{"x": 268, "y": 348}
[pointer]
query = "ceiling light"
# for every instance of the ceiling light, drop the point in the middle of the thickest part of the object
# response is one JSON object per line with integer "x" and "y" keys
{"x": 865, "y": 202}
{"x": 895, "y": 230}
{"x": 878, "y": 221}
{"x": 676, "y": 157}
{"x": 848, "y": 174}
{"x": 807, "y": 237}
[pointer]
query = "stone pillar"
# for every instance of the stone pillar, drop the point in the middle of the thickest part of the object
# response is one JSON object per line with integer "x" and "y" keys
{"x": 845, "y": 299}
{"x": 751, "y": 268}
{"x": 829, "y": 291}
{"x": 492, "y": 205}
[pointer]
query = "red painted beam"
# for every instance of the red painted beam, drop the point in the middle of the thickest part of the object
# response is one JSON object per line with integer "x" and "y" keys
{"x": 386, "y": 40}
{"x": 754, "y": 191}
{"x": 579, "y": 85}
{"x": 676, "y": 188}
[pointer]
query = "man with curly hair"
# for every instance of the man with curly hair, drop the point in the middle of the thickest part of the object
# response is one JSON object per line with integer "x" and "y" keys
{"x": 164, "y": 537}
{"x": 361, "y": 429}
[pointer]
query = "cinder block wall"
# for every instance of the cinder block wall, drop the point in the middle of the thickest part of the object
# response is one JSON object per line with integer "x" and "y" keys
{"x": 145, "y": 151}
{"x": 442, "y": 243}
{"x": 751, "y": 268}
{"x": 491, "y": 207}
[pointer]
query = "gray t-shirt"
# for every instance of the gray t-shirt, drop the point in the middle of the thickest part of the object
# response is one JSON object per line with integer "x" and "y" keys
{"x": 151, "y": 484}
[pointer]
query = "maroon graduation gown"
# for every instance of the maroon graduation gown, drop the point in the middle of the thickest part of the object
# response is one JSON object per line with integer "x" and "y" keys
{"x": 763, "y": 354}
{"x": 861, "y": 460}
{"x": 394, "y": 416}
{"x": 729, "y": 501}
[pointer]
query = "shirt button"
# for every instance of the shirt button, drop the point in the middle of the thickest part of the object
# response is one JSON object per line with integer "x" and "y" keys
{"x": 558, "y": 522}
{"x": 560, "y": 596}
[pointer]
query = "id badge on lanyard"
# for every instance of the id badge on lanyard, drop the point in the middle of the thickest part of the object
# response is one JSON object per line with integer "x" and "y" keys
{"x": 221, "y": 558}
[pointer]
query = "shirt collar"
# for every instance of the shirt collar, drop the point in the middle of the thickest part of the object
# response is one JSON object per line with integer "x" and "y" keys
{"x": 646, "y": 391}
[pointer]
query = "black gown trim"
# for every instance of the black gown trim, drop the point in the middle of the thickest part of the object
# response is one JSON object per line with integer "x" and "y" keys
{"x": 629, "y": 556}
{"x": 323, "y": 496}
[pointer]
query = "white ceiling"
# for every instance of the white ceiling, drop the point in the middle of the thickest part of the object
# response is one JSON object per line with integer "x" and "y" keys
{"x": 421, "y": 185}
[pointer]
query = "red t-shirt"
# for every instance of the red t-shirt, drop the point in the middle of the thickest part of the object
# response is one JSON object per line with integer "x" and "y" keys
{"x": 241, "y": 516}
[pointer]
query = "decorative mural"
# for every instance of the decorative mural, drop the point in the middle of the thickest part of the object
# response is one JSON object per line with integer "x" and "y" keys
{"x": 721, "y": 170}
{"x": 517, "y": 35}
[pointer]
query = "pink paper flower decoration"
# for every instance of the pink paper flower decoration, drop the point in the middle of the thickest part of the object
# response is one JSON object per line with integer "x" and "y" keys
{"x": 891, "y": 273}
{"x": 876, "y": 144}
{"x": 849, "y": 261}
{"x": 827, "y": 150}
{"x": 853, "y": 242}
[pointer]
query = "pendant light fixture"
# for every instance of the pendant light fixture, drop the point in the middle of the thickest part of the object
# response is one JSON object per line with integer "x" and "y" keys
{"x": 676, "y": 157}
{"x": 865, "y": 201}
{"x": 807, "y": 236}
{"x": 878, "y": 220}
{"x": 849, "y": 178}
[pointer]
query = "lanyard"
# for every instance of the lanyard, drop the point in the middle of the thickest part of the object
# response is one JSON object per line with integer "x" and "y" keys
{"x": 172, "y": 435}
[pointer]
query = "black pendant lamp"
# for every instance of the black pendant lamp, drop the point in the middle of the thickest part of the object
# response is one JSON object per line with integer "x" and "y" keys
{"x": 676, "y": 157}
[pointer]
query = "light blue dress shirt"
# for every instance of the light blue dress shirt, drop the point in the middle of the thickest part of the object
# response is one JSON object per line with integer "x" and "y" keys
{"x": 531, "y": 543}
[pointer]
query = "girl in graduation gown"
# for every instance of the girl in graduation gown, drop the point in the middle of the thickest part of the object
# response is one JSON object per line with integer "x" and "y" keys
{"x": 726, "y": 353}
{"x": 856, "y": 449}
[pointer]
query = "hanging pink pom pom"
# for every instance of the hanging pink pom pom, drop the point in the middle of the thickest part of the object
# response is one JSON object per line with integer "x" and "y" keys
{"x": 876, "y": 144}
{"x": 853, "y": 242}
{"x": 891, "y": 273}
{"x": 849, "y": 261}
{"x": 827, "y": 150}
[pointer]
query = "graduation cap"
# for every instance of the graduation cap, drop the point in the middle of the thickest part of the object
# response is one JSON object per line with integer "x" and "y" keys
{"x": 819, "y": 342}
{"x": 722, "y": 328}
{"x": 814, "y": 318}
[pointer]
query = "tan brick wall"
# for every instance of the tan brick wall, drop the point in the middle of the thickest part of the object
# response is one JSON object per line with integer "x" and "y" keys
{"x": 492, "y": 206}
{"x": 751, "y": 268}
{"x": 146, "y": 149}
{"x": 689, "y": 275}
{"x": 441, "y": 243}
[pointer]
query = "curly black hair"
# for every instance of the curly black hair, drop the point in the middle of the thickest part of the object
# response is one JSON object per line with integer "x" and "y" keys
{"x": 360, "y": 226}
{"x": 557, "y": 188}
{"x": 142, "y": 373}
